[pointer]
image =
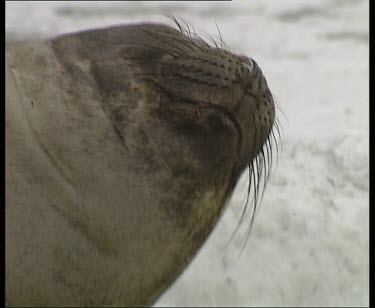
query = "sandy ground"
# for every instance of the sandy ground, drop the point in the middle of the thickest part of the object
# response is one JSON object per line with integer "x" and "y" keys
{"x": 310, "y": 241}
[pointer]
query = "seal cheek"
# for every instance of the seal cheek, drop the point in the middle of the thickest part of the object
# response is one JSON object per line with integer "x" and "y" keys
{"x": 211, "y": 140}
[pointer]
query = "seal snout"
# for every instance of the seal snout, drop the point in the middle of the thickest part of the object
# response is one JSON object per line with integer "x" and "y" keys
{"x": 255, "y": 112}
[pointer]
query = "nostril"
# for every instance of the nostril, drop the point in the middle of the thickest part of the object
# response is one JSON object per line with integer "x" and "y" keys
{"x": 249, "y": 65}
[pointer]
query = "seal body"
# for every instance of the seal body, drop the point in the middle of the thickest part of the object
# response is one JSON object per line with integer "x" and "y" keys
{"x": 122, "y": 146}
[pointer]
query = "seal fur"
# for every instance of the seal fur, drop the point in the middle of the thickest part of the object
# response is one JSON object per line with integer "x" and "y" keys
{"x": 122, "y": 146}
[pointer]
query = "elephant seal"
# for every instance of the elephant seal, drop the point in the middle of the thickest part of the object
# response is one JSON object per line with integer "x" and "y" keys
{"x": 122, "y": 146}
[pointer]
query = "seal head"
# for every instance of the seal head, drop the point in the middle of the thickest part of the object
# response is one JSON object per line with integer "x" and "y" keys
{"x": 123, "y": 145}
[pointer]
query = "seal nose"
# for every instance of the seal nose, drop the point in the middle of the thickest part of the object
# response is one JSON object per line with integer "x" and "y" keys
{"x": 255, "y": 85}
{"x": 258, "y": 113}
{"x": 249, "y": 65}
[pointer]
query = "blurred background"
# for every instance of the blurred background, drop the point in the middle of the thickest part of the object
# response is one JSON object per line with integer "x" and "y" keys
{"x": 310, "y": 241}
